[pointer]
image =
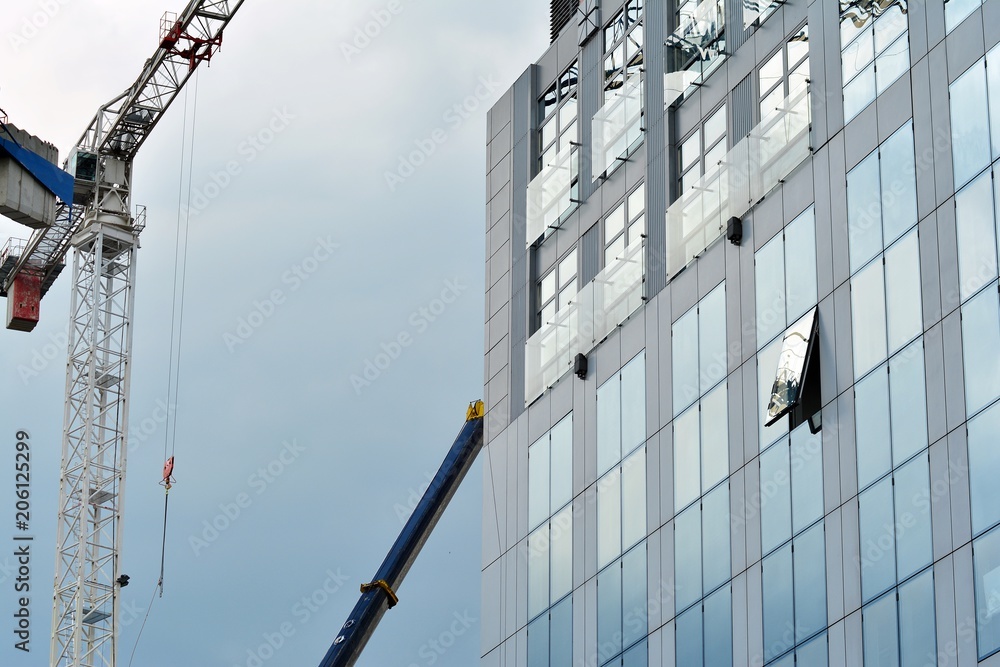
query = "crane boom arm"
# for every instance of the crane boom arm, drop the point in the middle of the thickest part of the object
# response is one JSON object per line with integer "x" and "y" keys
{"x": 121, "y": 126}
{"x": 379, "y": 595}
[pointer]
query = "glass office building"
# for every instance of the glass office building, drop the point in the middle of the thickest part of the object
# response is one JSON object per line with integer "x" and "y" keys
{"x": 743, "y": 338}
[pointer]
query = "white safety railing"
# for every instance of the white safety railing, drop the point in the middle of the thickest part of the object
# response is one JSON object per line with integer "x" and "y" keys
{"x": 617, "y": 126}
{"x": 550, "y": 193}
{"x": 764, "y": 158}
{"x": 594, "y": 312}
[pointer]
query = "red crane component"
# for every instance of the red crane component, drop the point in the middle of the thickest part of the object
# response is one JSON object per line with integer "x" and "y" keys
{"x": 168, "y": 473}
{"x": 23, "y": 300}
{"x": 198, "y": 49}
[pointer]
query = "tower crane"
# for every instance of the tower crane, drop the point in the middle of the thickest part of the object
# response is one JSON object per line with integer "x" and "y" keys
{"x": 99, "y": 224}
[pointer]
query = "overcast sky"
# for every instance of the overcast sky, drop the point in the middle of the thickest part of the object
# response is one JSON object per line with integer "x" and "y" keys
{"x": 337, "y": 261}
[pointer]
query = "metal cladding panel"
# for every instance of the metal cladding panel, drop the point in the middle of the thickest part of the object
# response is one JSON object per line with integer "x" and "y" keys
{"x": 591, "y": 87}
{"x": 519, "y": 334}
{"x": 741, "y": 113}
{"x": 590, "y": 254}
{"x": 656, "y": 156}
{"x": 736, "y": 36}
{"x": 23, "y": 301}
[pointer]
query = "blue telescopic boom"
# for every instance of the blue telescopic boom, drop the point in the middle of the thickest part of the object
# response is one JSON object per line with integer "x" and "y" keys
{"x": 380, "y": 594}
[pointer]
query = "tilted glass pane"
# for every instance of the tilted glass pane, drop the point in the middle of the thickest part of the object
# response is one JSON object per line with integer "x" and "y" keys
{"x": 609, "y": 611}
{"x": 562, "y": 462}
{"x": 878, "y": 623}
{"x": 538, "y": 482}
{"x": 917, "y": 627}
{"x": 864, "y": 211}
{"x": 713, "y": 362}
{"x": 778, "y": 616}
{"x": 868, "y": 318}
{"x": 714, "y": 437}
{"x": 609, "y": 515}
{"x": 976, "y": 223}
{"x": 561, "y": 539}
{"x": 718, "y": 629}
{"x": 634, "y": 605}
{"x": 809, "y": 554}
{"x": 899, "y": 183}
{"x": 609, "y": 445}
{"x": 775, "y": 497}
{"x": 984, "y": 469}
{"x": 687, "y": 557}
{"x": 769, "y": 272}
{"x": 685, "y": 360}
{"x": 907, "y": 389}
{"x": 634, "y": 499}
{"x": 715, "y": 537}
{"x": 913, "y": 518}
{"x": 878, "y": 539}
{"x": 689, "y": 647}
{"x": 800, "y": 264}
{"x": 795, "y": 349}
{"x": 969, "y": 124}
{"x": 871, "y": 418}
{"x": 687, "y": 465}
{"x": 980, "y": 342}
{"x": 902, "y": 272}
{"x": 806, "y": 457}
{"x": 986, "y": 560}
{"x": 538, "y": 571}
{"x": 634, "y": 404}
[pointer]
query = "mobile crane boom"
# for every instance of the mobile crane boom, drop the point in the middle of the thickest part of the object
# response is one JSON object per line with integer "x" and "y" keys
{"x": 380, "y": 595}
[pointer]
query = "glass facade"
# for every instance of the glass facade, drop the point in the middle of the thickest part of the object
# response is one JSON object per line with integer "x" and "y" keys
{"x": 680, "y": 515}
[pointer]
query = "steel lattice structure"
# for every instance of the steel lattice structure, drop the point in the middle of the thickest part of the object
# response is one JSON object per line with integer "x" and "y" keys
{"x": 98, "y": 224}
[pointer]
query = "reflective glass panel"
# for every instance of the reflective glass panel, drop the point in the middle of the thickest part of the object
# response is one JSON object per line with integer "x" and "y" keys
{"x": 767, "y": 361}
{"x": 902, "y": 294}
{"x": 864, "y": 211}
{"x": 871, "y": 416}
{"x": 538, "y": 481}
{"x": 778, "y": 617}
{"x": 909, "y": 402}
{"x": 633, "y": 411}
{"x": 712, "y": 338}
{"x": 775, "y": 497}
{"x": 687, "y": 557}
{"x": 686, "y": 459}
{"x": 689, "y": 637}
{"x": 898, "y": 181}
{"x": 538, "y": 571}
{"x": 878, "y": 543}
{"x": 813, "y": 654}
{"x": 878, "y": 622}
{"x": 685, "y": 360}
{"x": 917, "y": 627}
{"x": 609, "y": 509}
{"x": 561, "y": 540}
{"x": 634, "y": 498}
{"x": 980, "y": 342}
{"x": 975, "y": 220}
{"x": 715, "y": 537}
{"x": 795, "y": 349}
{"x": 538, "y": 642}
{"x": 913, "y": 517}
{"x": 955, "y": 11}
{"x": 969, "y": 124}
{"x": 609, "y": 446}
{"x": 561, "y": 634}
{"x": 769, "y": 270}
{"x": 609, "y": 610}
{"x": 718, "y": 629}
{"x": 800, "y": 264}
{"x": 986, "y": 559}
{"x": 810, "y": 582}
{"x": 562, "y": 463}
{"x": 806, "y": 457}
{"x": 714, "y": 437}
{"x": 634, "y": 611}
{"x": 637, "y": 656}
{"x": 993, "y": 83}
{"x": 868, "y": 318}
{"x": 984, "y": 468}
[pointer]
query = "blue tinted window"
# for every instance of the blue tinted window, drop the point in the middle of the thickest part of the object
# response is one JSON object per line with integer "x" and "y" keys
{"x": 779, "y": 615}
{"x": 878, "y": 622}
{"x": 871, "y": 416}
{"x": 561, "y": 634}
{"x": 689, "y": 648}
{"x": 986, "y": 558}
{"x": 719, "y": 629}
{"x": 609, "y": 610}
{"x": 775, "y": 497}
{"x": 878, "y": 543}
{"x": 913, "y": 516}
{"x": 634, "y": 608}
{"x": 984, "y": 468}
{"x": 810, "y": 582}
{"x": 917, "y": 628}
{"x": 970, "y": 126}
{"x": 687, "y": 557}
{"x": 715, "y": 537}
{"x": 980, "y": 342}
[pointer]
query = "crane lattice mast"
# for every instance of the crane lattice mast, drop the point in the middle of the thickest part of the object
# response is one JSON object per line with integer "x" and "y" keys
{"x": 101, "y": 228}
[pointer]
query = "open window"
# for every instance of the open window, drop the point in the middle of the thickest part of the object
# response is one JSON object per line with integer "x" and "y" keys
{"x": 796, "y": 388}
